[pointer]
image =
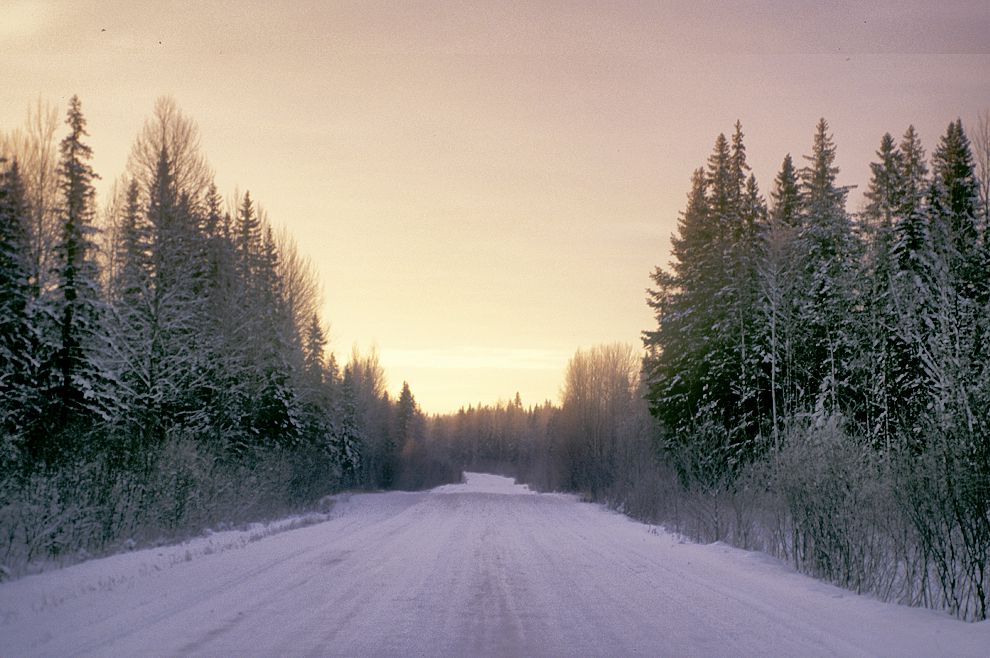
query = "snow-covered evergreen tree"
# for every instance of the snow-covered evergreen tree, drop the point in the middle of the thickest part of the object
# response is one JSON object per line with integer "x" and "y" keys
{"x": 778, "y": 295}
{"x": 676, "y": 366}
{"x": 830, "y": 253}
{"x": 131, "y": 295}
{"x": 955, "y": 212}
{"x": 19, "y": 392}
{"x": 877, "y": 360}
{"x": 77, "y": 302}
{"x": 706, "y": 365}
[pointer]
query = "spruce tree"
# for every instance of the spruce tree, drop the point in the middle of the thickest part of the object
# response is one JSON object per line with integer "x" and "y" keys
{"x": 830, "y": 253}
{"x": 748, "y": 330}
{"x": 705, "y": 365}
{"x": 954, "y": 207}
{"x": 77, "y": 304}
{"x": 681, "y": 365}
{"x": 912, "y": 291}
{"x": 247, "y": 240}
{"x": 165, "y": 333}
{"x": 778, "y": 267}
{"x": 912, "y": 237}
{"x": 405, "y": 417}
{"x": 134, "y": 317}
{"x": 740, "y": 168}
{"x": 278, "y": 413}
{"x": 19, "y": 392}
{"x": 877, "y": 362}
{"x": 786, "y": 196}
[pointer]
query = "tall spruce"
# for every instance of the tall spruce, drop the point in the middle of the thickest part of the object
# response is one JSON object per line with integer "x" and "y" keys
{"x": 830, "y": 253}
{"x": 19, "y": 391}
{"x": 912, "y": 291}
{"x": 682, "y": 368}
{"x": 77, "y": 304}
{"x": 777, "y": 299}
{"x": 954, "y": 206}
{"x": 133, "y": 321}
{"x": 877, "y": 362}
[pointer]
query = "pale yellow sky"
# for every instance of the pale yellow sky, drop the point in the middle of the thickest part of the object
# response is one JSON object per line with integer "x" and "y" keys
{"x": 484, "y": 187}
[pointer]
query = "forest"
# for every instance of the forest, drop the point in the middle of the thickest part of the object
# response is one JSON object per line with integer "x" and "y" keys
{"x": 163, "y": 367}
{"x": 816, "y": 384}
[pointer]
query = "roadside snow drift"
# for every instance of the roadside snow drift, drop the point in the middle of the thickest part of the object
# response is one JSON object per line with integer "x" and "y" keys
{"x": 481, "y": 568}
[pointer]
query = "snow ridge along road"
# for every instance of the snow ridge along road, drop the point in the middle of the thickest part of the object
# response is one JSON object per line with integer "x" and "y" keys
{"x": 481, "y": 568}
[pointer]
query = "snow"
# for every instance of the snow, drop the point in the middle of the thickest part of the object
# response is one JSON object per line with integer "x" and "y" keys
{"x": 486, "y": 567}
{"x": 485, "y": 483}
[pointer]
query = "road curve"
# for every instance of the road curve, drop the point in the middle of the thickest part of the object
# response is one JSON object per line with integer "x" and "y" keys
{"x": 483, "y": 568}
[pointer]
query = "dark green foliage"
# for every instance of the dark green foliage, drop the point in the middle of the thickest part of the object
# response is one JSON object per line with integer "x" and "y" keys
{"x": 20, "y": 394}
{"x": 829, "y": 252}
{"x": 704, "y": 366}
{"x": 786, "y": 196}
{"x": 873, "y": 373}
{"x": 879, "y": 329}
{"x": 77, "y": 308}
{"x": 954, "y": 204}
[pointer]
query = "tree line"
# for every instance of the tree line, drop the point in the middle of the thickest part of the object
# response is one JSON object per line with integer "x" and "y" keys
{"x": 163, "y": 365}
{"x": 846, "y": 353}
{"x": 816, "y": 385}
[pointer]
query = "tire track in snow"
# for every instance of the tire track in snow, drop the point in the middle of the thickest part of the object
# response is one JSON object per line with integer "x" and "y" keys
{"x": 473, "y": 569}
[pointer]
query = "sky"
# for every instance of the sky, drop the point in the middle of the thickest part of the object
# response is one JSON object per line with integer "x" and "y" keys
{"x": 485, "y": 187}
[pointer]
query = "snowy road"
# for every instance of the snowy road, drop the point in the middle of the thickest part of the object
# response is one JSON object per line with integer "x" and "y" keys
{"x": 484, "y": 568}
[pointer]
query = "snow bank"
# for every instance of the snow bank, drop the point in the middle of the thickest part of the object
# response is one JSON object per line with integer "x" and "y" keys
{"x": 485, "y": 567}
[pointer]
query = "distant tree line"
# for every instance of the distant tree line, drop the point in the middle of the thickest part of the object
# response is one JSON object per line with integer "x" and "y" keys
{"x": 817, "y": 384}
{"x": 596, "y": 441}
{"x": 163, "y": 365}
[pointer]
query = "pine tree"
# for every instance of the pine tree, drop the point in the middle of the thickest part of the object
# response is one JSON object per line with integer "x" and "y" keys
{"x": 134, "y": 317}
{"x": 954, "y": 207}
{"x": 684, "y": 368}
{"x": 830, "y": 254}
{"x": 278, "y": 413}
{"x": 912, "y": 241}
{"x": 877, "y": 360}
{"x": 912, "y": 291}
{"x": 778, "y": 296}
{"x": 247, "y": 239}
{"x": 786, "y": 196}
{"x": 78, "y": 303}
{"x": 19, "y": 393}
{"x": 165, "y": 339}
{"x": 405, "y": 417}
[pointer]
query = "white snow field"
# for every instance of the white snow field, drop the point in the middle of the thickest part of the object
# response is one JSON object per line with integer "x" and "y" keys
{"x": 483, "y": 568}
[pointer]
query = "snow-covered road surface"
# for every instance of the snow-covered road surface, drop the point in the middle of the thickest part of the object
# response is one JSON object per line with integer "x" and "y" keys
{"x": 482, "y": 568}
